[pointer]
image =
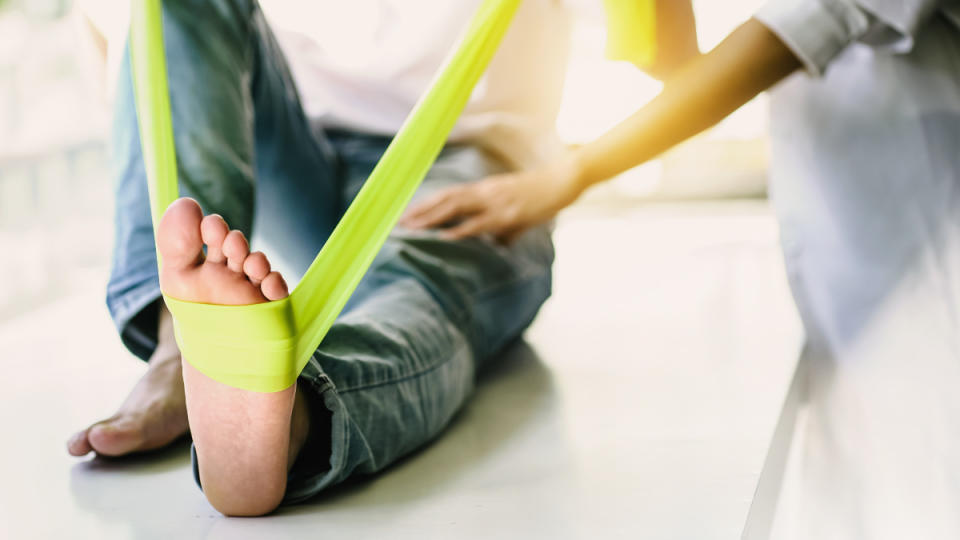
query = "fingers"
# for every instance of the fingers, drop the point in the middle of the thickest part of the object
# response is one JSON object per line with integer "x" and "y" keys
{"x": 435, "y": 211}
{"x": 415, "y": 213}
{"x": 442, "y": 208}
{"x": 473, "y": 226}
{"x": 473, "y": 209}
{"x": 484, "y": 225}
{"x": 508, "y": 238}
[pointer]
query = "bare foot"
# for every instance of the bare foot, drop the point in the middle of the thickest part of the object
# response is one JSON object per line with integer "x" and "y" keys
{"x": 242, "y": 438}
{"x": 153, "y": 415}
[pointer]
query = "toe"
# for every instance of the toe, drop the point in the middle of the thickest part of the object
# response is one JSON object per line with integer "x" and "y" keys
{"x": 273, "y": 286}
{"x": 256, "y": 267}
{"x": 178, "y": 236}
{"x": 213, "y": 231}
{"x": 236, "y": 249}
{"x": 78, "y": 445}
{"x": 115, "y": 437}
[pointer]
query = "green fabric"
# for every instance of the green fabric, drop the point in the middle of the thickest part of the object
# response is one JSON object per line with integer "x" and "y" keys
{"x": 631, "y": 31}
{"x": 263, "y": 347}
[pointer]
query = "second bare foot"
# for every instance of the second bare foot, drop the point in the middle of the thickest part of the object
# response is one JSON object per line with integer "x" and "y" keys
{"x": 153, "y": 415}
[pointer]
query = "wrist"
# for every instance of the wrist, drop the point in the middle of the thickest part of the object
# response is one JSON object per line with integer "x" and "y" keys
{"x": 571, "y": 171}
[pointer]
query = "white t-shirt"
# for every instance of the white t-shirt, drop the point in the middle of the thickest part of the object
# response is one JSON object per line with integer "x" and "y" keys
{"x": 363, "y": 64}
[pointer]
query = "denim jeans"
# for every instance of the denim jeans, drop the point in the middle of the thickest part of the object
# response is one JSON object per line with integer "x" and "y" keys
{"x": 402, "y": 357}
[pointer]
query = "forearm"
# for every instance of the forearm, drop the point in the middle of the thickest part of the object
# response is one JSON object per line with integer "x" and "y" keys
{"x": 698, "y": 96}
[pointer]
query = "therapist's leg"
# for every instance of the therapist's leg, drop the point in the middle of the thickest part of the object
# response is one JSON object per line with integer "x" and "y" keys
{"x": 232, "y": 97}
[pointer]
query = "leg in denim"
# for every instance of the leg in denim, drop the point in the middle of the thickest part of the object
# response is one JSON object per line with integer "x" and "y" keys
{"x": 401, "y": 360}
{"x": 242, "y": 142}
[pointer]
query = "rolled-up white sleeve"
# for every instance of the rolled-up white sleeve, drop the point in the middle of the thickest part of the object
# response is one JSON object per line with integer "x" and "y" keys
{"x": 817, "y": 30}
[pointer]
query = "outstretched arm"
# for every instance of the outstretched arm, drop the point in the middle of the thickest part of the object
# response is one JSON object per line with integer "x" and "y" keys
{"x": 697, "y": 96}
{"x": 700, "y": 94}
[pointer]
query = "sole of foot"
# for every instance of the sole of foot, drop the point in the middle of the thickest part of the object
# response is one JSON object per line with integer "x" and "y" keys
{"x": 242, "y": 438}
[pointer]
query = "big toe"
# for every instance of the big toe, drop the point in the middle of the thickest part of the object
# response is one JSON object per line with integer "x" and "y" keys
{"x": 178, "y": 236}
{"x": 114, "y": 438}
{"x": 78, "y": 445}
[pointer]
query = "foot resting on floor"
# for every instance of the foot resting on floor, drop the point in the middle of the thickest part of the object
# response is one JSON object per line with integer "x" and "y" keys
{"x": 152, "y": 416}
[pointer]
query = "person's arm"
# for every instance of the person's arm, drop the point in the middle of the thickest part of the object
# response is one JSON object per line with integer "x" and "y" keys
{"x": 676, "y": 38}
{"x": 698, "y": 96}
{"x": 782, "y": 36}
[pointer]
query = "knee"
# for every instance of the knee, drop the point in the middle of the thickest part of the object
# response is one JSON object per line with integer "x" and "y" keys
{"x": 229, "y": 8}
{"x": 221, "y": 25}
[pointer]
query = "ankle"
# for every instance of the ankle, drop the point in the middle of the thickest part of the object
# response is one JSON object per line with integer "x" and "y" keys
{"x": 299, "y": 424}
{"x": 167, "y": 351}
{"x": 164, "y": 362}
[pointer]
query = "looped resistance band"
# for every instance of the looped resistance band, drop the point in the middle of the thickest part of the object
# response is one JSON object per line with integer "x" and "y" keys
{"x": 263, "y": 347}
{"x": 631, "y": 31}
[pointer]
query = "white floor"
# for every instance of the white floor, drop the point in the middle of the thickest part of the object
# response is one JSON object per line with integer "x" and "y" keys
{"x": 641, "y": 405}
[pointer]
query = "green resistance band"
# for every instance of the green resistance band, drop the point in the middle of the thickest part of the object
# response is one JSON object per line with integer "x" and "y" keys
{"x": 631, "y": 31}
{"x": 263, "y": 347}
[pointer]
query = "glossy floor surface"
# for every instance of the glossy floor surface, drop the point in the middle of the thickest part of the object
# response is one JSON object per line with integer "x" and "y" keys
{"x": 641, "y": 404}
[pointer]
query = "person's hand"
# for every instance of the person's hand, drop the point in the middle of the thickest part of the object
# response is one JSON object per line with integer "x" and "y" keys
{"x": 504, "y": 205}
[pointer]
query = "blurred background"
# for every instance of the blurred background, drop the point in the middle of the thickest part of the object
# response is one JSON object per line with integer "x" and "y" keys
{"x": 55, "y": 194}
